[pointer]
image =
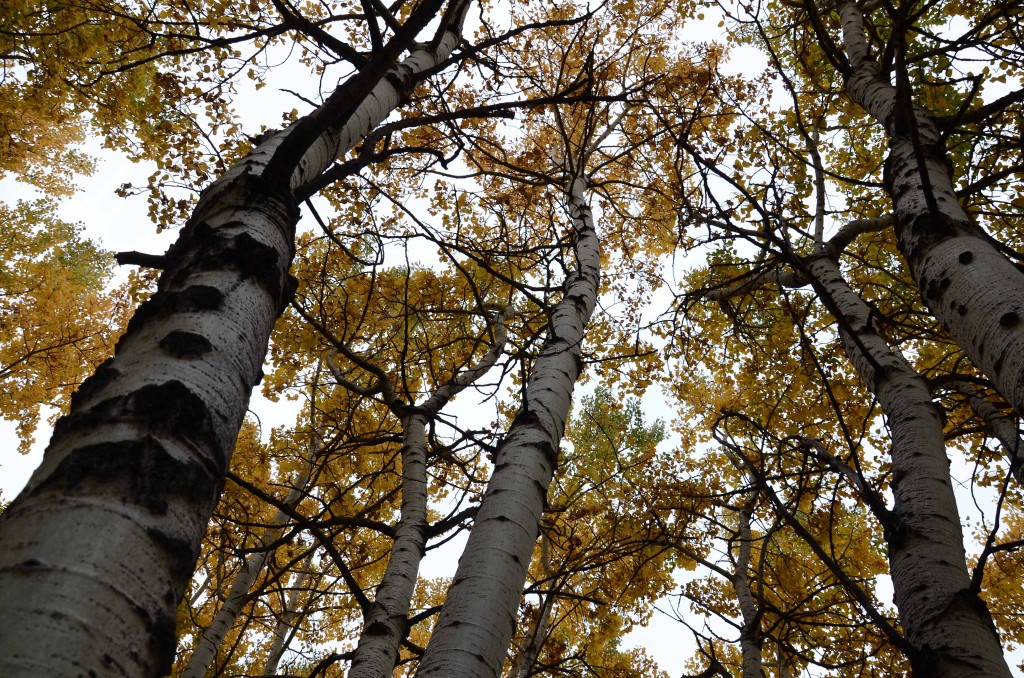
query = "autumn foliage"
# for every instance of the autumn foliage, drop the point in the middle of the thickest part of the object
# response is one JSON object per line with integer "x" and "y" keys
{"x": 775, "y": 248}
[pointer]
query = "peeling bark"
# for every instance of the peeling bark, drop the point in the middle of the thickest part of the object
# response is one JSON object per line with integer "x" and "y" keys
{"x": 100, "y": 545}
{"x": 476, "y": 624}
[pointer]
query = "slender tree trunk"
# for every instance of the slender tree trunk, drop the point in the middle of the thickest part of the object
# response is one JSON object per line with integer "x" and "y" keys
{"x": 973, "y": 290}
{"x": 289, "y": 614}
{"x": 477, "y": 621}
{"x": 238, "y": 595}
{"x": 386, "y": 622}
{"x": 1002, "y": 427}
{"x": 522, "y": 666}
{"x": 98, "y": 548}
{"x": 947, "y": 623}
{"x": 750, "y": 632}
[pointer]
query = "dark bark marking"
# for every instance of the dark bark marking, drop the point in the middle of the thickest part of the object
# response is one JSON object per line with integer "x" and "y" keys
{"x": 163, "y": 641}
{"x": 550, "y": 452}
{"x": 966, "y": 257}
{"x": 162, "y": 304}
{"x": 254, "y": 260}
{"x": 169, "y": 409}
{"x": 143, "y": 470}
{"x": 377, "y": 628}
{"x": 1009, "y": 320}
{"x": 970, "y": 600}
{"x": 291, "y": 284}
{"x": 182, "y": 344}
{"x": 181, "y": 555}
{"x": 100, "y": 379}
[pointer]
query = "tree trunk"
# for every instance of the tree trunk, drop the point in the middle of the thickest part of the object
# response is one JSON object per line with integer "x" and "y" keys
{"x": 1002, "y": 427}
{"x": 529, "y": 652}
{"x": 386, "y": 623}
{"x": 973, "y": 290}
{"x": 289, "y": 613}
{"x": 947, "y": 623}
{"x": 238, "y": 595}
{"x": 99, "y": 546}
{"x": 750, "y": 631}
{"x": 477, "y": 621}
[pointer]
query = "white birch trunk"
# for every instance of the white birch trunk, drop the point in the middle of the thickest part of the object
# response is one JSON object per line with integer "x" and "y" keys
{"x": 973, "y": 290}
{"x": 99, "y": 546}
{"x": 386, "y": 622}
{"x": 522, "y": 667}
{"x": 948, "y": 624}
{"x": 750, "y": 631}
{"x": 477, "y": 621}
{"x": 238, "y": 595}
{"x": 289, "y": 614}
{"x": 1002, "y": 427}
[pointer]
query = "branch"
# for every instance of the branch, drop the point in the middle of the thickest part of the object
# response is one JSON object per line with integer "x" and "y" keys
{"x": 133, "y": 258}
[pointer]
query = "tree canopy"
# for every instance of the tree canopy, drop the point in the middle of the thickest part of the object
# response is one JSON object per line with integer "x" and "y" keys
{"x": 640, "y": 323}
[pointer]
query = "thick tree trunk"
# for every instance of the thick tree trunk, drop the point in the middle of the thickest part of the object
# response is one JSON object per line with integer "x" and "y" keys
{"x": 947, "y": 623}
{"x": 477, "y": 621}
{"x": 98, "y": 548}
{"x": 969, "y": 286}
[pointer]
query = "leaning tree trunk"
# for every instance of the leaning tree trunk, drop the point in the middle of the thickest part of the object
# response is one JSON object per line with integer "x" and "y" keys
{"x": 238, "y": 594}
{"x": 948, "y": 624}
{"x": 973, "y": 290}
{"x": 99, "y": 547}
{"x": 477, "y": 621}
{"x": 1000, "y": 426}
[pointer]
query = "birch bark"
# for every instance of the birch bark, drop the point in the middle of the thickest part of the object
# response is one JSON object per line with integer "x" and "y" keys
{"x": 238, "y": 595}
{"x": 386, "y": 622}
{"x": 99, "y": 546}
{"x": 947, "y": 623}
{"x": 750, "y": 632}
{"x": 1002, "y": 427}
{"x": 529, "y": 652}
{"x": 973, "y": 290}
{"x": 290, "y": 612}
{"x": 477, "y": 620}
